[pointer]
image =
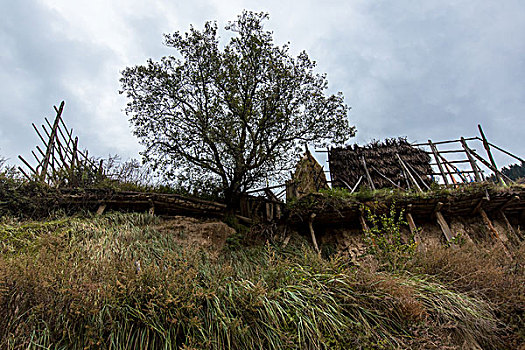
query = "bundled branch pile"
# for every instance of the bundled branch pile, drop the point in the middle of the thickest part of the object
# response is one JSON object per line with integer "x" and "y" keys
{"x": 388, "y": 164}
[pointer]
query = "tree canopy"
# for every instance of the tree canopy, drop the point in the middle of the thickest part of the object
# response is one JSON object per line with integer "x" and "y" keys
{"x": 232, "y": 116}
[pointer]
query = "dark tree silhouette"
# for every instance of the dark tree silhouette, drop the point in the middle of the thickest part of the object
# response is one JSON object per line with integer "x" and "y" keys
{"x": 236, "y": 116}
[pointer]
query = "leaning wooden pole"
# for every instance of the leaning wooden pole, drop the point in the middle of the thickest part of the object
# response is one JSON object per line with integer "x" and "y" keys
{"x": 369, "y": 178}
{"x": 409, "y": 174}
{"x": 489, "y": 153}
{"x": 51, "y": 143}
{"x": 438, "y": 162}
{"x": 471, "y": 160}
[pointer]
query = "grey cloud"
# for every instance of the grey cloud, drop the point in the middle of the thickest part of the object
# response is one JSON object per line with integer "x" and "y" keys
{"x": 422, "y": 69}
{"x": 39, "y": 67}
{"x": 433, "y": 71}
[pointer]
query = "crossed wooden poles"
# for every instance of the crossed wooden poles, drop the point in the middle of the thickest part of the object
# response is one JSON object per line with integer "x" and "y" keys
{"x": 60, "y": 152}
{"x": 447, "y": 168}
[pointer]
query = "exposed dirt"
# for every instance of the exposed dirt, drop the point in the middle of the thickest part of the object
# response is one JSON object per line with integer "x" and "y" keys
{"x": 206, "y": 234}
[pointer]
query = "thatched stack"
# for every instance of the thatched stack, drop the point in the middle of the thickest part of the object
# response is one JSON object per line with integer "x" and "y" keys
{"x": 309, "y": 177}
{"x": 346, "y": 164}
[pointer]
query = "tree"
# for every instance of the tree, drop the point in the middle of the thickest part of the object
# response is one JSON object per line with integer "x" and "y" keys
{"x": 233, "y": 117}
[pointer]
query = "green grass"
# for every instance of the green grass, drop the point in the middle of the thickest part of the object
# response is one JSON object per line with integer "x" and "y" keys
{"x": 115, "y": 282}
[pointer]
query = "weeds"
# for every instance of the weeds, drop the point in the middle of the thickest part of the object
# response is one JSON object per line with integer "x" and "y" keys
{"x": 384, "y": 239}
{"x": 114, "y": 282}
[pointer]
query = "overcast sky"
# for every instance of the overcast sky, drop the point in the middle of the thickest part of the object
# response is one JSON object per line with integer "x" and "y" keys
{"x": 420, "y": 69}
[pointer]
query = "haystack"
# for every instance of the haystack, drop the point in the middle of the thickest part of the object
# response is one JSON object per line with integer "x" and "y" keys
{"x": 309, "y": 177}
{"x": 383, "y": 165}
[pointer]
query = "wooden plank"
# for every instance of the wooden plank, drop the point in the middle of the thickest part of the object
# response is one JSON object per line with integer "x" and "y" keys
{"x": 509, "y": 203}
{"x": 414, "y": 230}
{"x": 101, "y": 209}
{"x": 268, "y": 211}
{"x": 266, "y": 188}
{"x": 500, "y": 237}
{"x": 445, "y": 228}
{"x": 510, "y": 229}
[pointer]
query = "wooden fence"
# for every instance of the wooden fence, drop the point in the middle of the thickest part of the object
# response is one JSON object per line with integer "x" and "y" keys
{"x": 60, "y": 158}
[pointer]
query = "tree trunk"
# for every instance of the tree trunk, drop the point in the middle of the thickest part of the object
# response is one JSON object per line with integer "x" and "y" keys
{"x": 232, "y": 201}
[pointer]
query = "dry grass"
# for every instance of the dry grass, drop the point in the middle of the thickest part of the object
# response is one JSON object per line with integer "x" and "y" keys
{"x": 118, "y": 282}
{"x": 487, "y": 273}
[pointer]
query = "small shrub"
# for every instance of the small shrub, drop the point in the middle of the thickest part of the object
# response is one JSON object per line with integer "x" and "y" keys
{"x": 384, "y": 239}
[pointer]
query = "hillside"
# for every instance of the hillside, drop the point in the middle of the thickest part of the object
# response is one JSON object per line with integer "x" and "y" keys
{"x": 135, "y": 280}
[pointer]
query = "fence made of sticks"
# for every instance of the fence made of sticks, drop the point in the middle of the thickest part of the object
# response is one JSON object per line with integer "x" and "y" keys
{"x": 60, "y": 158}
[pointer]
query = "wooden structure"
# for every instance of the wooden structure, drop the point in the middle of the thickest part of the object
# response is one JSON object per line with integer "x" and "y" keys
{"x": 60, "y": 158}
{"x": 391, "y": 163}
{"x": 154, "y": 203}
{"x": 483, "y": 202}
{"x": 468, "y": 168}
{"x": 401, "y": 165}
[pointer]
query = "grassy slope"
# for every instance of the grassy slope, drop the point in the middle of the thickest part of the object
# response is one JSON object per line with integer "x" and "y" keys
{"x": 118, "y": 282}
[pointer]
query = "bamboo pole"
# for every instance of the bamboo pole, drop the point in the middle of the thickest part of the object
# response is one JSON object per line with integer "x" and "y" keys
{"x": 28, "y": 165}
{"x": 25, "y": 174}
{"x": 487, "y": 164}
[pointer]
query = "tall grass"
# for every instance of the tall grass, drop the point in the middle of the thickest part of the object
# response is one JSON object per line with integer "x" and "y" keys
{"x": 115, "y": 282}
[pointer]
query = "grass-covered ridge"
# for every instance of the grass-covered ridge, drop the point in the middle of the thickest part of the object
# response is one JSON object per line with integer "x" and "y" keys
{"x": 339, "y": 199}
{"x": 118, "y": 282}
